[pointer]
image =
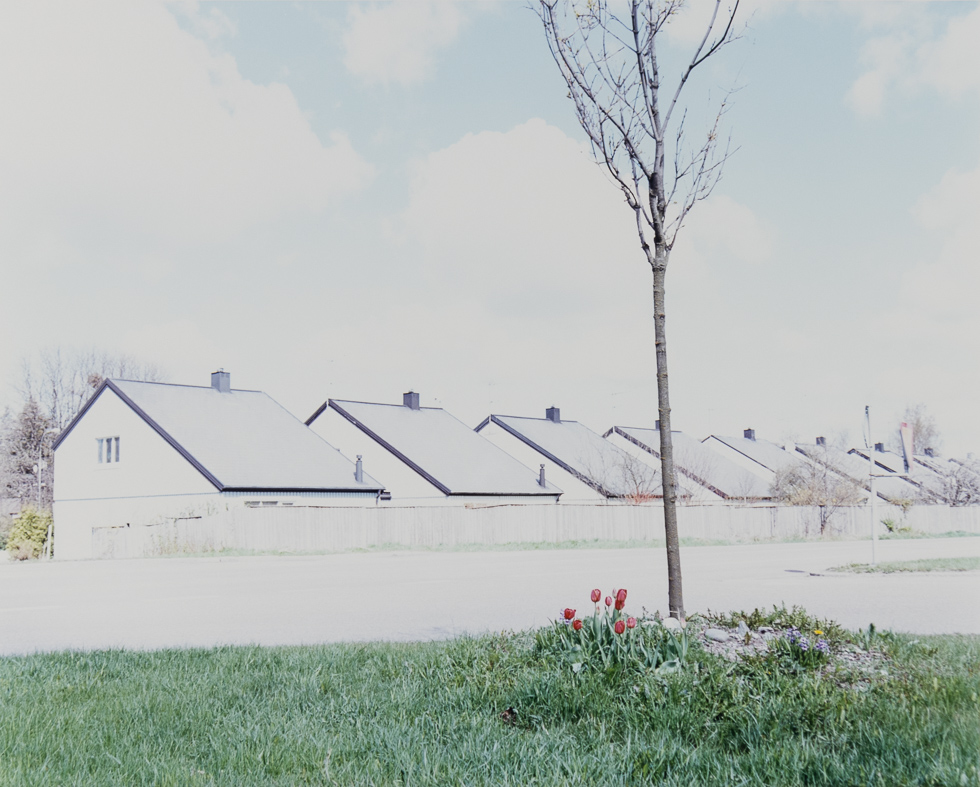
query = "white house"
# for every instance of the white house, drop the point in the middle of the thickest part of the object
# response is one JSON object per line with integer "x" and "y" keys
{"x": 704, "y": 475}
{"x": 427, "y": 456}
{"x": 140, "y": 453}
{"x": 580, "y": 461}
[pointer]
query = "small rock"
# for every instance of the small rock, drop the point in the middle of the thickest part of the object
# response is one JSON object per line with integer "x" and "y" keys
{"x": 742, "y": 629}
{"x": 716, "y": 635}
{"x": 672, "y": 623}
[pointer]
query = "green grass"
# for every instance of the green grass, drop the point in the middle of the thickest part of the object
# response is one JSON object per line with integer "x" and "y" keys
{"x": 429, "y": 714}
{"x": 516, "y": 546}
{"x": 900, "y": 535}
{"x": 932, "y": 564}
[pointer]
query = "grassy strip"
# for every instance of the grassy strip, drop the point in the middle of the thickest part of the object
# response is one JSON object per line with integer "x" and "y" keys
{"x": 522, "y": 546}
{"x": 932, "y": 564}
{"x": 430, "y": 714}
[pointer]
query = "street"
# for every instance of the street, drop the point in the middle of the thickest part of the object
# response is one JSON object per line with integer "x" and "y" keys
{"x": 274, "y": 600}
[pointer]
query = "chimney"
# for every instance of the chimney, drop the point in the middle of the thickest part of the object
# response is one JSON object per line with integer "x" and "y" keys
{"x": 880, "y": 448}
{"x": 221, "y": 381}
{"x": 553, "y": 414}
{"x": 656, "y": 425}
{"x": 929, "y": 452}
{"x": 411, "y": 400}
{"x": 359, "y": 470}
{"x": 749, "y": 434}
{"x": 541, "y": 481}
{"x": 822, "y": 441}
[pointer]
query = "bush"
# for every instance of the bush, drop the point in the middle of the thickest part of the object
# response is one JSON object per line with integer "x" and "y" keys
{"x": 5, "y": 524}
{"x": 28, "y": 534}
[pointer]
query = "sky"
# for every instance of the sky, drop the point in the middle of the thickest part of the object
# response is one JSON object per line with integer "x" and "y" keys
{"x": 355, "y": 200}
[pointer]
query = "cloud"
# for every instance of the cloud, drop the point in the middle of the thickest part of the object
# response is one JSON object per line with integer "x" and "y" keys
{"x": 137, "y": 170}
{"x": 397, "y": 42}
{"x": 117, "y": 121}
{"x": 910, "y": 58}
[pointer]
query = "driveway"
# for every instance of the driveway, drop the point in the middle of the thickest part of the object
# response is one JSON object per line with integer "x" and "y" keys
{"x": 201, "y": 602}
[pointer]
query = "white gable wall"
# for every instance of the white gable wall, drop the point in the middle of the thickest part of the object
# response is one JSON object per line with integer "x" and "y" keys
{"x": 739, "y": 458}
{"x": 150, "y": 481}
{"x": 699, "y": 494}
{"x": 574, "y": 490}
{"x": 406, "y": 486}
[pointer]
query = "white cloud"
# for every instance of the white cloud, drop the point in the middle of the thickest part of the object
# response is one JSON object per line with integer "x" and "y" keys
{"x": 397, "y": 42}
{"x": 910, "y": 58}
{"x": 117, "y": 120}
{"x": 134, "y": 164}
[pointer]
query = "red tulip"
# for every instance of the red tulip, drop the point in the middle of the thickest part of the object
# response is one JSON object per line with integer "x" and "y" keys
{"x": 621, "y": 594}
{"x": 608, "y": 601}
{"x": 631, "y": 623}
{"x": 620, "y": 605}
{"x": 620, "y": 627}
{"x": 576, "y": 624}
{"x": 596, "y": 595}
{"x": 569, "y": 614}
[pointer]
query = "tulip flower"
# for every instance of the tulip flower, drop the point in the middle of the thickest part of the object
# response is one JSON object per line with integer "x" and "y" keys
{"x": 577, "y": 624}
{"x": 621, "y": 594}
{"x": 631, "y": 623}
{"x": 569, "y": 614}
{"x": 608, "y": 601}
{"x": 596, "y": 595}
{"x": 620, "y": 627}
{"x": 620, "y": 604}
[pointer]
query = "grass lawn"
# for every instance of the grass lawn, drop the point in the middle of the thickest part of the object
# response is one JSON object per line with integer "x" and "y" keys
{"x": 934, "y": 564}
{"x": 431, "y": 714}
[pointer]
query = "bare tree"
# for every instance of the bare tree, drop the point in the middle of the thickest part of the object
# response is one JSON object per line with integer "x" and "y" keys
{"x": 925, "y": 432}
{"x": 621, "y": 475}
{"x": 62, "y": 380}
{"x": 610, "y": 65}
{"x": 54, "y": 387}
{"x": 818, "y": 483}
{"x": 949, "y": 483}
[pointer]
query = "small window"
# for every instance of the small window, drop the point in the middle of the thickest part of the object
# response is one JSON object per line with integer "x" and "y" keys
{"x": 108, "y": 450}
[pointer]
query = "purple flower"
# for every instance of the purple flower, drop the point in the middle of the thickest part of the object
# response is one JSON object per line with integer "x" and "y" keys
{"x": 822, "y": 646}
{"x": 803, "y": 643}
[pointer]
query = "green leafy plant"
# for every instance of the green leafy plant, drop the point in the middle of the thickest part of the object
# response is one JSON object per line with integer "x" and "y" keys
{"x": 28, "y": 534}
{"x": 798, "y": 648}
{"x": 611, "y": 640}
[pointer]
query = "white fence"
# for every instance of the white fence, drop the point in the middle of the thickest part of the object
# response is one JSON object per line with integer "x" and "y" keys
{"x": 314, "y": 529}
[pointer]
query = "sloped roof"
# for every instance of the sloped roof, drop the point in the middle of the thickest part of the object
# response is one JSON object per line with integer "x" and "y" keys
{"x": 768, "y": 455}
{"x": 580, "y": 451}
{"x": 239, "y": 440}
{"x": 442, "y": 449}
{"x": 699, "y": 462}
{"x": 856, "y": 468}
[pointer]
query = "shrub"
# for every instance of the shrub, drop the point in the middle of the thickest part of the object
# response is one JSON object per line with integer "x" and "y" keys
{"x": 5, "y": 524}
{"x": 28, "y": 534}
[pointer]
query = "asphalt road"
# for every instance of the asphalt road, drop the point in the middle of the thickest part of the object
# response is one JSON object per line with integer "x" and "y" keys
{"x": 201, "y": 602}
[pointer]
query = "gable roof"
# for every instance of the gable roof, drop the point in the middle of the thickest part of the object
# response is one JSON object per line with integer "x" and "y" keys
{"x": 239, "y": 440}
{"x": 442, "y": 449}
{"x": 767, "y": 455}
{"x": 578, "y": 450}
{"x": 856, "y": 468}
{"x": 698, "y": 462}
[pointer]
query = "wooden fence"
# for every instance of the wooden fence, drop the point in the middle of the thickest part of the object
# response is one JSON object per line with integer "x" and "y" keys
{"x": 316, "y": 529}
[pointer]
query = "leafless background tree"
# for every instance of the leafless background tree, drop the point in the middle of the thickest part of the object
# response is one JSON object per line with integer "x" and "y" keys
{"x": 925, "y": 432}
{"x": 53, "y": 388}
{"x": 611, "y": 67}
{"x": 816, "y": 482}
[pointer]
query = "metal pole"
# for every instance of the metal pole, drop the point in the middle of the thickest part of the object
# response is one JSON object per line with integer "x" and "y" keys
{"x": 871, "y": 485}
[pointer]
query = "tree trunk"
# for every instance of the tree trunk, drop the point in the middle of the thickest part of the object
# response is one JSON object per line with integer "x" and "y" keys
{"x": 675, "y": 591}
